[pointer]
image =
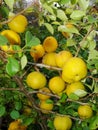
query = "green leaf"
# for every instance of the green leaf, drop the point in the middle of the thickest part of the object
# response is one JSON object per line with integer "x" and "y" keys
{"x": 9, "y": 3}
{"x": 12, "y": 67}
{"x": 93, "y": 54}
{"x": 56, "y": 23}
{"x": 64, "y": 1}
{"x": 50, "y": 124}
{"x": 96, "y": 65}
{"x": 28, "y": 121}
{"x": 91, "y": 19}
{"x": 28, "y": 37}
{"x": 93, "y": 123}
{"x": 18, "y": 105}
{"x": 77, "y": 14}
{"x": 70, "y": 42}
{"x": 48, "y": 8}
{"x": 14, "y": 114}
{"x": 18, "y": 50}
{"x": 91, "y": 45}
{"x": 61, "y": 15}
{"x": 2, "y": 110}
{"x": 73, "y": 96}
{"x": 63, "y": 98}
{"x": 95, "y": 88}
{"x": 49, "y": 101}
{"x": 4, "y": 11}
{"x": 83, "y": 4}
{"x": 49, "y": 27}
{"x": 34, "y": 41}
{"x": 63, "y": 28}
{"x": 74, "y": 1}
{"x": 31, "y": 40}
{"x": 52, "y": 17}
{"x": 80, "y": 93}
{"x": 3, "y": 40}
{"x": 23, "y": 61}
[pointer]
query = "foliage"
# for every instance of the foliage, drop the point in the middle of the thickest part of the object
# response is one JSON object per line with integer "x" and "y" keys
{"x": 77, "y": 18}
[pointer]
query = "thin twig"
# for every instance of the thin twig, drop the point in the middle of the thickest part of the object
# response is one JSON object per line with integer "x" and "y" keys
{"x": 46, "y": 66}
{"x": 91, "y": 77}
{"x": 45, "y": 93}
{"x": 10, "y": 89}
{"x": 3, "y": 56}
{"x": 21, "y": 12}
{"x": 78, "y": 102}
{"x": 83, "y": 40}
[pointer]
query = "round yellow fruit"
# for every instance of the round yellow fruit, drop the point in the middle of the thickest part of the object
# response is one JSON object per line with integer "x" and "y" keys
{"x": 18, "y": 23}
{"x": 37, "y": 52}
{"x": 74, "y": 70}
{"x": 16, "y": 125}
{"x": 7, "y": 48}
{"x": 71, "y": 88}
{"x": 62, "y": 57}
{"x": 56, "y": 84}
{"x": 46, "y": 107}
{"x": 27, "y": 111}
{"x": 68, "y": 26}
{"x": 50, "y": 44}
{"x": 42, "y": 96}
{"x": 12, "y": 37}
{"x": 36, "y": 80}
{"x": 62, "y": 123}
{"x": 49, "y": 59}
{"x": 85, "y": 111}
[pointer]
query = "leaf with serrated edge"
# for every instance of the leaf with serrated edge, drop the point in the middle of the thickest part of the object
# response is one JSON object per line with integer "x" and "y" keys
{"x": 77, "y": 14}
{"x": 12, "y": 67}
{"x": 3, "y": 40}
{"x": 49, "y": 27}
{"x": 84, "y": 4}
{"x": 63, "y": 28}
{"x": 61, "y": 15}
{"x": 23, "y": 61}
{"x": 2, "y": 110}
{"x": 9, "y": 3}
{"x": 28, "y": 37}
{"x": 80, "y": 93}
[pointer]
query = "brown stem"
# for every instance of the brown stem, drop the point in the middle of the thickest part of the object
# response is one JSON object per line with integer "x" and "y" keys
{"x": 45, "y": 93}
{"x": 46, "y": 66}
{"x": 22, "y": 88}
{"x": 91, "y": 77}
{"x": 81, "y": 103}
{"x": 3, "y": 56}
{"x": 10, "y": 89}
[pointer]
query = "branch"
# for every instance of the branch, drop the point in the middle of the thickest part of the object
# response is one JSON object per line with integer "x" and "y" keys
{"x": 3, "y": 56}
{"x": 91, "y": 77}
{"x": 10, "y": 89}
{"x": 46, "y": 66}
{"x": 81, "y": 103}
{"x": 22, "y": 88}
{"x": 45, "y": 93}
{"x": 21, "y": 12}
{"x": 89, "y": 31}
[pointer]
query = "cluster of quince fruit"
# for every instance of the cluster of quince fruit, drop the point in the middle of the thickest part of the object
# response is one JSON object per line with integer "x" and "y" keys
{"x": 16, "y": 25}
{"x": 73, "y": 70}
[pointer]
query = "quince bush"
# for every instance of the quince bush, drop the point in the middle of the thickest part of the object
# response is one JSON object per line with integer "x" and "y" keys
{"x": 72, "y": 25}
